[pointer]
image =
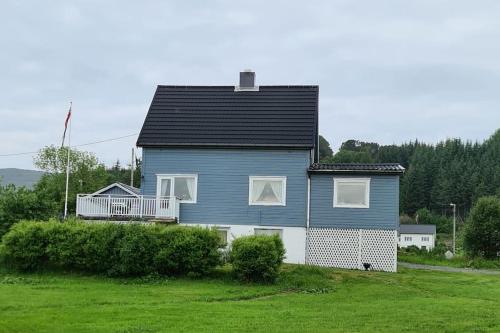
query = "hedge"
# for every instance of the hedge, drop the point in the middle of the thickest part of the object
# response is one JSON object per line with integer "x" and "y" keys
{"x": 113, "y": 249}
{"x": 257, "y": 258}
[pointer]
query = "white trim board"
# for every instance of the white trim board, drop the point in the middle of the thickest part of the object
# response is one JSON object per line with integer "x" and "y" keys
{"x": 113, "y": 185}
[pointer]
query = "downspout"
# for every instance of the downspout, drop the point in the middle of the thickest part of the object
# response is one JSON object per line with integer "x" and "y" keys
{"x": 308, "y": 216}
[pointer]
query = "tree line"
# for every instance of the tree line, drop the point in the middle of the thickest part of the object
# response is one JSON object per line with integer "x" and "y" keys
{"x": 451, "y": 171}
{"x": 46, "y": 199}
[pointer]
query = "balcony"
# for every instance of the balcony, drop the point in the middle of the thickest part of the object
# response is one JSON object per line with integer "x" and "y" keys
{"x": 104, "y": 206}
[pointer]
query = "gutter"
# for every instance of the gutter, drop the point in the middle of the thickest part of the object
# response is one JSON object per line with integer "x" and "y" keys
{"x": 357, "y": 172}
{"x": 224, "y": 145}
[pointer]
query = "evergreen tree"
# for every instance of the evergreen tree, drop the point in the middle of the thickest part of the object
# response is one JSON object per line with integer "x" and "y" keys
{"x": 436, "y": 175}
{"x": 325, "y": 151}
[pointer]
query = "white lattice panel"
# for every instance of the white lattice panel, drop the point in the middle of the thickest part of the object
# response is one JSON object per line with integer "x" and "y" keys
{"x": 379, "y": 248}
{"x": 350, "y": 248}
{"x": 333, "y": 247}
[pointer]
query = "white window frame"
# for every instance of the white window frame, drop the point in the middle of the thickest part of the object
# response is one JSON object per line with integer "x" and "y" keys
{"x": 251, "y": 179}
{"x": 336, "y": 181}
{"x": 160, "y": 177}
{"x": 408, "y": 238}
{"x": 425, "y": 239}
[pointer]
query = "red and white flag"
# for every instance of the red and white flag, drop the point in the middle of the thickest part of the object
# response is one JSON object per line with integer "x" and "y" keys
{"x": 66, "y": 126}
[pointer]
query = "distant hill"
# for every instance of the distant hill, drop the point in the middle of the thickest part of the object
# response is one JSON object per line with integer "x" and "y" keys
{"x": 19, "y": 177}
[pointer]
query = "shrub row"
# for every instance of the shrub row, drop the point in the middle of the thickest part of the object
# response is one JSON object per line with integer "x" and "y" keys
{"x": 114, "y": 249}
{"x": 135, "y": 249}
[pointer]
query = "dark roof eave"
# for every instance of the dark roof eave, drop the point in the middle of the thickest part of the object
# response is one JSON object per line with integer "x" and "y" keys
{"x": 221, "y": 145}
{"x": 358, "y": 172}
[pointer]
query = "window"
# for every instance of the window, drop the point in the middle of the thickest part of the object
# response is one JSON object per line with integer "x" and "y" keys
{"x": 268, "y": 232}
{"x": 407, "y": 239}
{"x": 267, "y": 191}
{"x": 182, "y": 186}
{"x": 223, "y": 232}
{"x": 351, "y": 192}
{"x": 425, "y": 238}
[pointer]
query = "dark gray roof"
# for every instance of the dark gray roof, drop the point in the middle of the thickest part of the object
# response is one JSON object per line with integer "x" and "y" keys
{"x": 357, "y": 168}
{"x": 273, "y": 116}
{"x": 417, "y": 229}
{"x": 131, "y": 188}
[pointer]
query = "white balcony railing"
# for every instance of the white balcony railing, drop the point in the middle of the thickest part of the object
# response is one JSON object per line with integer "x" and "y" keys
{"x": 142, "y": 206}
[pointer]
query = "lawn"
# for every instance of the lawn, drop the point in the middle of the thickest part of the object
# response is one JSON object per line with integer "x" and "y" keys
{"x": 305, "y": 299}
{"x": 459, "y": 261}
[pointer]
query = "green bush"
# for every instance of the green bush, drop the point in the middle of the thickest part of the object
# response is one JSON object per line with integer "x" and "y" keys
{"x": 20, "y": 203}
{"x": 405, "y": 219}
{"x": 482, "y": 231}
{"x": 437, "y": 252}
{"x": 196, "y": 251}
{"x": 412, "y": 249}
{"x": 257, "y": 258}
{"x": 24, "y": 247}
{"x": 114, "y": 249}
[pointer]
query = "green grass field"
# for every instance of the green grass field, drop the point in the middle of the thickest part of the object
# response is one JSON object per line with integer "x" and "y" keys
{"x": 460, "y": 261}
{"x": 306, "y": 299}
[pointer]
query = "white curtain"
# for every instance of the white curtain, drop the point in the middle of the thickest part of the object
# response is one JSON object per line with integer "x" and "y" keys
{"x": 257, "y": 189}
{"x": 184, "y": 188}
{"x": 190, "y": 188}
{"x": 165, "y": 187}
{"x": 269, "y": 191}
{"x": 277, "y": 187}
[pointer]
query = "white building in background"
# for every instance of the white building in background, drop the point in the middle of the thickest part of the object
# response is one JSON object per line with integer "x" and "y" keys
{"x": 422, "y": 236}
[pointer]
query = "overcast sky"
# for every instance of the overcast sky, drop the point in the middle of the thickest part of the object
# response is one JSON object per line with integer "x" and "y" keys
{"x": 388, "y": 71}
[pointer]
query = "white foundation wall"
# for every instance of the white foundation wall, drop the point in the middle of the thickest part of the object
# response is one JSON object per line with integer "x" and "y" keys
{"x": 351, "y": 248}
{"x": 294, "y": 239}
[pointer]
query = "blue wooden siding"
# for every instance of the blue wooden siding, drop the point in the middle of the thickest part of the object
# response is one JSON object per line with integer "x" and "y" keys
{"x": 115, "y": 190}
{"x": 223, "y": 183}
{"x": 382, "y": 214}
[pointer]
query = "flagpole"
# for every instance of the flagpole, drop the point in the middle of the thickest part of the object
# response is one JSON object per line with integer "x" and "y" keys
{"x": 67, "y": 164}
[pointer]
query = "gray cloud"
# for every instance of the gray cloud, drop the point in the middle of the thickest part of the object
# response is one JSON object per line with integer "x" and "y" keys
{"x": 389, "y": 71}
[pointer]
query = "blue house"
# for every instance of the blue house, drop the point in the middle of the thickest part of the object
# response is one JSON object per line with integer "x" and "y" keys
{"x": 244, "y": 159}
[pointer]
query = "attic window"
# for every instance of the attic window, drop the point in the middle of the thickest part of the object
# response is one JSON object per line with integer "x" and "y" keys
{"x": 267, "y": 191}
{"x": 351, "y": 192}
